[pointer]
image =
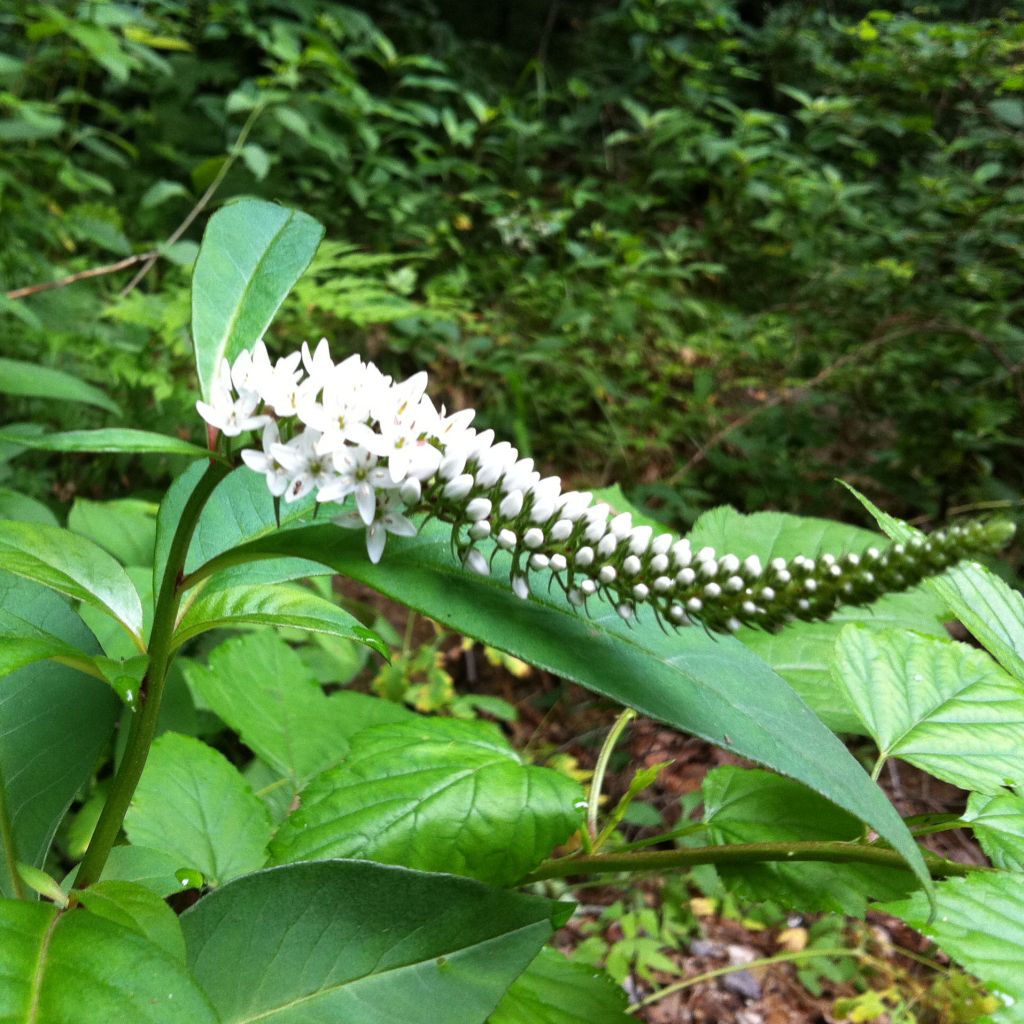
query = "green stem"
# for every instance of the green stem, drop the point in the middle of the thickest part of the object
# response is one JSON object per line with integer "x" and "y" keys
{"x": 594, "y": 799}
{"x": 742, "y": 853}
{"x": 767, "y": 961}
{"x": 144, "y": 720}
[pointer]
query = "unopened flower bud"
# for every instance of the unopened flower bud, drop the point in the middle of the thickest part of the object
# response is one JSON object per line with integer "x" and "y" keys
{"x": 534, "y": 537}
{"x": 476, "y": 562}
{"x": 478, "y": 508}
{"x": 511, "y": 505}
{"x": 562, "y": 530}
{"x": 458, "y": 488}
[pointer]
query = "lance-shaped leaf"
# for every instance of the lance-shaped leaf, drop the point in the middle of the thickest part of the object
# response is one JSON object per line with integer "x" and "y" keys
{"x": 32, "y": 381}
{"x": 274, "y": 605}
{"x": 979, "y": 922}
{"x": 252, "y": 254}
{"x": 240, "y": 509}
{"x": 990, "y": 608}
{"x": 945, "y": 707}
{"x": 71, "y": 565}
{"x": 107, "y": 439}
{"x": 554, "y": 990}
{"x": 54, "y": 721}
{"x": 361, "y": 943}
{"x": 710, "y": 686}
{"x": 192, "y": 803}
{"x": 259, "y": 686}
{"x": 14, "y": 505}
{"x": 89, "y": 969}
{"x": 436, "y": 794}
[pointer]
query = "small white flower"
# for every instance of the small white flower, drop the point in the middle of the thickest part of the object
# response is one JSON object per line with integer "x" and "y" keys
{"x": 305, "y": 467}
{"x": 264, "y": 462}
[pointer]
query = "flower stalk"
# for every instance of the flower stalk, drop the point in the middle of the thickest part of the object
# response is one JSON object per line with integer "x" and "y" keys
{"x": 347, "y": 430}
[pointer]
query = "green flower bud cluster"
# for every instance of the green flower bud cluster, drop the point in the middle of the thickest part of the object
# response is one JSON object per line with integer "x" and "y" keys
{"x": 592, "y": 553}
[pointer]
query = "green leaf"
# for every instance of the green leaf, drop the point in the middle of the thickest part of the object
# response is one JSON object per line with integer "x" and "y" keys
{"x": 137, "y": 908}
{"x": 436, "y": 794}
{"x": 193, "y": 803}
{"x": 71, "y": 565}
{"x": 259, "y": 686}
{"x": 991, "y": 610}
{"x": 709, "y": 686}
{"x": 554, "y": 990}
{"x": 361, "y": 943}
{"x": 156, "y": 870}
{"x": 106, "y": 439}
{"x": 280, "y": 606}
{"x": 240, "y": 509}
{"x": 29, "y": 380}
{"x": 85, "y": 968}
{"x": 979, "y": 922}
{"x": 54, "y": 722}
{"x": 752, "y": 806}
{"x": 252, "y": 254}
{"x": 20, "y": 506}
{"x": 802, "y": 652}
{"x": 126, "y": 527}
{"x": 998, "y": 824}
{"x": 944, "y": 707}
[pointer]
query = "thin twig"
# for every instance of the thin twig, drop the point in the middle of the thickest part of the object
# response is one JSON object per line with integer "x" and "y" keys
{"x": 201, "y": 203}
{"x": 63, "y": 282}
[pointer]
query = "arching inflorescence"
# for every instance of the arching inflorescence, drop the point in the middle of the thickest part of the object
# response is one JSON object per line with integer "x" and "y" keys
{"x": 346, "y": 430}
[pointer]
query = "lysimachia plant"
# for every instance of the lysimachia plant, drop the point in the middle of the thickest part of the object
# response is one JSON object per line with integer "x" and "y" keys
{"x": 359, "y": 862}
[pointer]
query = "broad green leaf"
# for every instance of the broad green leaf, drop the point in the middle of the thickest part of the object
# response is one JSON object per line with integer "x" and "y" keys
{"x": 84, "y": 968}
{"x": 259, "y": 686}
{"x": 752, "y": 806}
{"x": 116, "y": 643}
{"x": 435, "y": 794}
{"x": 54, "y": 722}
{"x": 64, "y": 562}
{"x": 709, "y": 686}
{"x": 991, "y": 610}
{"x": 998, "y": 824}
{"x": 979, "y": 922}
{"x": 29, "y": 380}
{"x": 20, "y": 506}
{"x": 155, "y": 870}
{"x": 296, "y": 607}
{"x": 361, "y": 943}
{"x": 802, "y": 652}
{"x": 139, "y": 909}
{"x": 107, "y": 439}
{"x": 193, "y": 803}
{"x": 126, "y": 527}
{"x": 944, "y": 707}
{"x": 554, "y": 990}
{"x": 252, "y": 254}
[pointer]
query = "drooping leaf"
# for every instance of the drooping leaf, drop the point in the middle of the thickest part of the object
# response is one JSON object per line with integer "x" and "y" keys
{"x": 20, "y": 506}
{"x": 29, "y": 380}
{"x": 72, "y": 565}
{"x": 998, "y": 824}
{"x": 191, "y": 802}
{"x": 54, "y": 721}
{"x": 802, "y": 652}
{"x": 991, "y": 609}
{"x": 943, "y": 706}
{"x": 744, "y": 805}
{"x": 125, "y": 527}
{"x": 259, "y": 686}
{"x": 554, "y": 990}
{"x": 252, "y": 254}
{"x": 280, "y": 605}
{"x": 361, "y": 943}
{"x": 138, "y": 909}
{"x": 85, "y": 968}
{"x": 710, "y": 686}
{"x": 435, "y": 794}
{"x": 107, "y": 439}
{"x": 979, "y": 922}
